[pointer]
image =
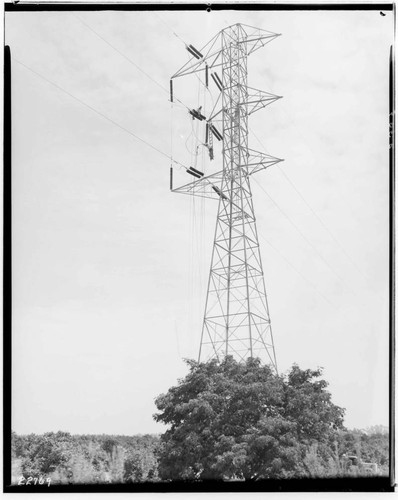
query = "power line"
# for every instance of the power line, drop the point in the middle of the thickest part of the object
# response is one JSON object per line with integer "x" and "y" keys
{"x": 121, "y": 53}
{"x": 300, "y": 232}
{"x": 337, "y": 242}
{"x": 170, "y": 28}
{"x": 128, "y": 59}
{"x": 154, "y": 147}
{"x": 185, "y": 45}
{"x": 280, "y": 169}
{"x": 99, "y": 113}
{"x": 297, "y": 271}
{"x": 304, "y": 237}
{"x": 322, "y": 223}
{"x": 149, "y": 144}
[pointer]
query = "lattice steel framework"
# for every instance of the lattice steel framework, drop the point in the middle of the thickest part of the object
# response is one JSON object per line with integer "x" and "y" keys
{"x": 236, "y": 319}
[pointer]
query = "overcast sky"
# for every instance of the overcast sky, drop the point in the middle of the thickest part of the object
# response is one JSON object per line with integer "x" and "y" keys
{"x": 110, "y": 268}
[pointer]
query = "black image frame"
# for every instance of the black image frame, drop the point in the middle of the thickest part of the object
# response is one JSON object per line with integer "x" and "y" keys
{"x": 377, "y": 484}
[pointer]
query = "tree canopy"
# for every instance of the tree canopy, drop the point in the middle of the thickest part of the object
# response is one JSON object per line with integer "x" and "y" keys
{"x": 231, "y": 420}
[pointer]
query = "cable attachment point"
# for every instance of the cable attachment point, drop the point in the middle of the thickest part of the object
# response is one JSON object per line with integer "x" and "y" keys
{"x": 197, "y": 113}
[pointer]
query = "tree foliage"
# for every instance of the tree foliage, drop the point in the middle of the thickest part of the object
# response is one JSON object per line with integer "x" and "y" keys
{"x": 240, "y": 420}
{"x": 85, "y": 459}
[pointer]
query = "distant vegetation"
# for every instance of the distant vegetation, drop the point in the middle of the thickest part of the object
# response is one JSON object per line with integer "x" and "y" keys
{"x": 230, "y": 421}
{"x": 85, "y": 459}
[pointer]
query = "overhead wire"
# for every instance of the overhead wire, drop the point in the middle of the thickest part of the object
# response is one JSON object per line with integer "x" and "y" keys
{"x": 101, "y": 37}
{"x": 201, "y": 245}
{"x": 135, "y": 135}
{"x": 321, "y": 222}
{"x": 304, "y": 237}
{"x": 206, "y": 90}
{"x": 119, "y": 52}
{"x": 105, "y": 117}
{"x": 168, "y": 26}
{"x": 325, "y": 227}
{"x": 171, "y": 134}
{"x": 185, "y": 44}
{"x": 134, "y": 63}
{"x": 144, "y": 72}
{"x": 262, "y": 238}
{"x": 187, "y": 139}
{"x": 193, "y": 248}
{"x": 285, "y": 175}
{"x": 197, "y": 213}
{"x": 129, "y": 60}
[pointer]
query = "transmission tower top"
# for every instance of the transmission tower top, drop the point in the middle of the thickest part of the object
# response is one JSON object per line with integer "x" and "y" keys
{"x": 210, "y": 55}
{"x": 236, "y": 318}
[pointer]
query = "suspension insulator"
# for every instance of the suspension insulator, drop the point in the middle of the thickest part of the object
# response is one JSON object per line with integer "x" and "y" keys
{"x": 219, "y": 192}
{"x": 216, "y": 132}
{"x": 191, "y": 49}
{"x": 197, "y": 171}
{"x": 196, "y": 114}
{"x": 217, "y": 81}
{"x": 190, "y": 171}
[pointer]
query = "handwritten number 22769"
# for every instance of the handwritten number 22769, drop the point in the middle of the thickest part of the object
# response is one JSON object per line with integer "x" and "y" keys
{"x": 33, "y": 480}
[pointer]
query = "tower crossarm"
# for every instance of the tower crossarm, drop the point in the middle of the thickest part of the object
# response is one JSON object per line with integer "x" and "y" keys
{"x": 211, "y": 187}
{"x": 206, "y": 187}
{"x": 258, "y": 99}
{"x": 260, "y": 161}
{"x": 210, "y": 59}
{"x": 214, "y": 115}
{"x": 256, "y": 38}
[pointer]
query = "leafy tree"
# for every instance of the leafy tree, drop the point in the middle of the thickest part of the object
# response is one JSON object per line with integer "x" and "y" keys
{"x": 240, "y": 420}
{"x": 41, "y": 455}
{"x": 109, "y": 445}
{"x": 307, "y": 403}
{"x": 133, "y": 470}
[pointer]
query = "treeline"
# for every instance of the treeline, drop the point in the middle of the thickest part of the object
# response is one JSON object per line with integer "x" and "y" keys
{"x": 71, "y": 459}
{"x": 87, "y": 459}
{"x": 369, "y": 445}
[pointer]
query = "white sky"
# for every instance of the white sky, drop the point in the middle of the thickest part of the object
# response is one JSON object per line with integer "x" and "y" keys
{"x": 110, "y": 268}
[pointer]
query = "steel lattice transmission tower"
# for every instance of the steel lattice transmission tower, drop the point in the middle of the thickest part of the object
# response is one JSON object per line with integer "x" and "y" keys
{"x": 236, "y": 319}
